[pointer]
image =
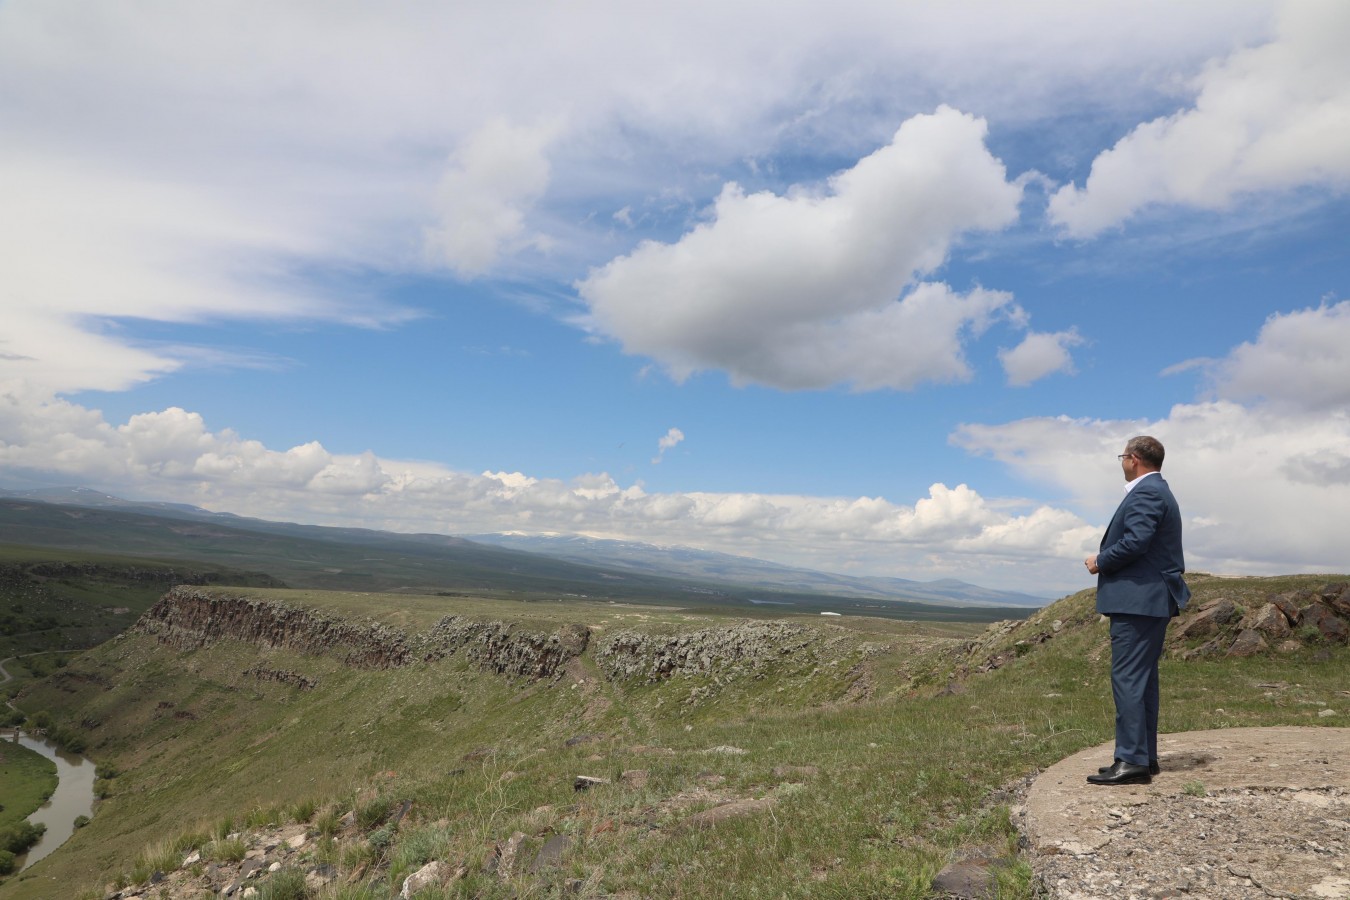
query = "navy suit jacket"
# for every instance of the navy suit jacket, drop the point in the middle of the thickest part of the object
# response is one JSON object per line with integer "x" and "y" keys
{"x": 1140, "y": 563}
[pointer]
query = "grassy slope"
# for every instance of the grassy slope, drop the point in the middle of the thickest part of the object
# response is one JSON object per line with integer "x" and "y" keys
{"x": 27, "y": 779}
{"x": 902, "y": 779}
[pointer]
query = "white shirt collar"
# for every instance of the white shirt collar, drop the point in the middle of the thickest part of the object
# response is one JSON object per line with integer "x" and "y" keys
{"x": 1130, "y": 485}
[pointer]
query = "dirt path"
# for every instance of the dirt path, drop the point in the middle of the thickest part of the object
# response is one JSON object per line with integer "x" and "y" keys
{"x": 1237, "y": 813}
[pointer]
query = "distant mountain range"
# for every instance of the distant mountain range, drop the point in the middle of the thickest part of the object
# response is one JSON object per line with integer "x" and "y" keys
{"x": 639, "y": 557}
{"x": 365, "y": 559}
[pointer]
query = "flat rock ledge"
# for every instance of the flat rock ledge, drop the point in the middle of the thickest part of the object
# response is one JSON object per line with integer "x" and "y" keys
{"x": 1237, "y": 813}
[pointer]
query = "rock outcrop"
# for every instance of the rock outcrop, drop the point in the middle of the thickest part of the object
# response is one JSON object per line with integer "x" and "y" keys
{"x": 728, "y": 651}
{"x": 190, "y": 619}
{"x": 1220, "y": 626}
{"x": 1284, "y": 621}
{"x": 499, "y": 647}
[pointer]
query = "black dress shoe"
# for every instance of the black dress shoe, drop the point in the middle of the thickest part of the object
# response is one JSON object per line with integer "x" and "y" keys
{"x": 1122, "y": 773}
{"x": 1153, "y": 768}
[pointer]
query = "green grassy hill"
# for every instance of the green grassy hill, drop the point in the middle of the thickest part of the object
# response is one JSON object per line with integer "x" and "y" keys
{"x": 739, "y": 758}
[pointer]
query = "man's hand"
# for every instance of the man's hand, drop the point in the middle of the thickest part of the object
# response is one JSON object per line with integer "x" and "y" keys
{"x": 1091, "y": 563}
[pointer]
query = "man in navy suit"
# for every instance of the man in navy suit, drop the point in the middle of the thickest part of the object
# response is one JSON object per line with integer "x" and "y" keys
{"x": 1139, "y": 587}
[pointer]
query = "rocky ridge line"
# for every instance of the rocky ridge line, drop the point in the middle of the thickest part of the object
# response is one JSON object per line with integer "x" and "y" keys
{"x": 1281, "y": 622}
{"x": 190, "y": 619}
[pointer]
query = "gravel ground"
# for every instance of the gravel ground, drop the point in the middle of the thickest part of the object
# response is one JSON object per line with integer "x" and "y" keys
{"x": 1229, "y": 846}
{"x": 1236, "y": 814}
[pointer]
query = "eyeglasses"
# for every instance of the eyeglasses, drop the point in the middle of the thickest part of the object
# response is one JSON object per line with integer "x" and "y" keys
{"x": 1124, "y": 455}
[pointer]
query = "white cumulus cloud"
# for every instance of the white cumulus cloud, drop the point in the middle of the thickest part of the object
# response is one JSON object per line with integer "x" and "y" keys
{"x": 1270, "y": 117}
{"x": 808, "y": 289}
{"x": 1040, "y": 354}
{"x": 172, "y": 455}
{"x": 1300, "y": 360}
{"x": 1262, "y": 490}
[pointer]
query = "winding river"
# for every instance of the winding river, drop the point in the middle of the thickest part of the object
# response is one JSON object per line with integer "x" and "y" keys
{"x": 74, "y": 795}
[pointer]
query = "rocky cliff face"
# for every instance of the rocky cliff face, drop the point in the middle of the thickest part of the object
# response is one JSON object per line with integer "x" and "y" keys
{"x": 190, "y": 619}
{"x": 731, "y": 651}
{"x": 499, "y": 647}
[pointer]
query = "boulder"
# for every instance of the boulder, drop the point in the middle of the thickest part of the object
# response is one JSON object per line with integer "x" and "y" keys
{"x": 1332, "y": 627}
{"x": 551, "y": 853}
{"x": 1269, "y": 621}
{"x": 320, "y": 877}
{"x": 1287, "y": 604}
{"x": 969, "y": 879}
{"x": 733, "y": 810}
{"x": 1337, "y": 597}
{"x": 1248, "y": 643}
{"x": 425, "y": 877}
{"x": 1212, "y": 647}
{"x": 634, "y": 778}
{"x": 508, "y": 856}
{"x": 1209, "y": 620}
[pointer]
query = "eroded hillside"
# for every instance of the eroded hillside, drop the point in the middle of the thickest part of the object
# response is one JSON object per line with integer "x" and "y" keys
{"x": 600, "y": 750}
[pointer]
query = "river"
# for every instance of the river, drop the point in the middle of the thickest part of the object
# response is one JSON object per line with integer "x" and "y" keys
{"x": 74, "y": 796}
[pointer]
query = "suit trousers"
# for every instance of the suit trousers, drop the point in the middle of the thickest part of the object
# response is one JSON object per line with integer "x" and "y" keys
{"x": 1136, "y": 647}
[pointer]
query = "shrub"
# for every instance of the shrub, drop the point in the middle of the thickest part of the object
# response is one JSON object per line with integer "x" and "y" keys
{"x": 18, "y": 837}
{"x": 226, "y": 850}
{"x": 285, "y": 884}
{"x": 1310, "y": 634}
{"x": 420, "y": 847}
{"x": 303, "y": 811}
{"x": 222, "y": 829}
{"x": 6, "y": 862}
{"x": 353, "y": 892}
{"x": 260, "y": 817}
{"x": 81, "y": 821}
{"x": 327, "y": 822}
{"x": 189, "y": 841}
{"x": 158, "y": 857}
{"x": 381, "y": 838}
{"x": 372, "y": 813}
{"x": 67, "y": 739}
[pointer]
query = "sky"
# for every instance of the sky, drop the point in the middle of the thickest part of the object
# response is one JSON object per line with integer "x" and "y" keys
{"x": 874, "y": 288}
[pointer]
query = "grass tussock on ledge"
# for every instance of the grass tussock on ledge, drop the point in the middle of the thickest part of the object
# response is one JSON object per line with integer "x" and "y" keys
{"x": 855, "y": 763}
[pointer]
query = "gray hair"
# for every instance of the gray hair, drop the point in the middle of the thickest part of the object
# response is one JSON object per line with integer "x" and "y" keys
{"x": 1148, "y": 450}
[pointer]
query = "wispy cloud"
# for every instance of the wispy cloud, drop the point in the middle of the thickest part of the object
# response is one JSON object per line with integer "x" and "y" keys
{"x": 672, "y": 437}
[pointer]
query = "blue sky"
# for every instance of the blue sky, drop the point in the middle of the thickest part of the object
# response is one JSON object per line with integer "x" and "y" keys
{"x": 881, "y": 291}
